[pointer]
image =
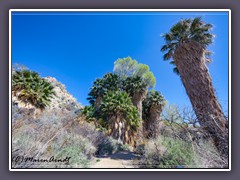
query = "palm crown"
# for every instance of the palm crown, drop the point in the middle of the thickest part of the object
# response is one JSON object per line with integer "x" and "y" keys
{"x": 153, "y": 98}
{"x": 109, "y": 82}
{"x": 119, "y": 103}
{"x": 186, "y": 31}
{"x": 134, "y": 84}
{"x": 29, "y": 87}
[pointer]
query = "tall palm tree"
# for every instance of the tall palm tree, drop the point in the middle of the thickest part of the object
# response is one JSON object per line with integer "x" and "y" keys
{"x": 186, "y": 46}
{"x": 30, "y": 88}
{"x": 152, "y": 108}
{"x": 121, "y": 115}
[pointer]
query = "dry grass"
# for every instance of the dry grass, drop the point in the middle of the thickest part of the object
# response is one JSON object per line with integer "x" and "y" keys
{"x": 56, "y": 134}
{"x": 180, "y": 147}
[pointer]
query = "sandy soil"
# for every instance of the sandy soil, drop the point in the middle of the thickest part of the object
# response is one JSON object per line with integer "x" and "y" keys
{"x": 124, "y": 159}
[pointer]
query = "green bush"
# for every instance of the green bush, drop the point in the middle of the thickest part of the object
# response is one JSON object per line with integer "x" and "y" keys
{"x": 165, "y": 152}
{"x": 179, "y": 153}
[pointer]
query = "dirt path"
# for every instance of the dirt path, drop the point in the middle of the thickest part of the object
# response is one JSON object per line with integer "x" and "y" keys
{"x": 124, "y": 159}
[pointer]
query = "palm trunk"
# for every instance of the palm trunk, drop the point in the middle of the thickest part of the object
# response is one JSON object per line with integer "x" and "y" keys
{"x": 98, "y": 102}
{"x": 115, "y": 126}
{"x": 152, "y": 124}
{"x": 137, "y": 100}
{"x": 119, "y": 130}
{"x": 190, "y": 61}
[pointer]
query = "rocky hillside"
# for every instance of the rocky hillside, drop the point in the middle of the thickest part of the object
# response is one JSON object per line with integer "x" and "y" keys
{"x": 63, "y": 99}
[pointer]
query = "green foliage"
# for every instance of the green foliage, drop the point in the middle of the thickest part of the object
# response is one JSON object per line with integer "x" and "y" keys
{"x": 119, "y": 103}
{"x": 29, "y": 87}
{"x": 109, "y": 82}
{"x": 80, "y": 150}
{"x": 125, "y": 67}
{"x": 134, "y": 84}
{"x": 150, "y": 79}
{"x": 93, "y": 115}
{"x": 179, "y": 153}
{"x": 185, "y": 31}
{"x": 89, "y": 112}
{"x": 112, "y": 96}
{"x": 153, "y": 98}
{"x": 165, "y": 152}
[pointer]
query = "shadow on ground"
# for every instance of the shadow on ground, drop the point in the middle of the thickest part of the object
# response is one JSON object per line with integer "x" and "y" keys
{"x": 123, "y": 155}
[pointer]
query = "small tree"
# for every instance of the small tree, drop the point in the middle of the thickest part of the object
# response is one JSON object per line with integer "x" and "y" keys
{"x": 126, "y": 67}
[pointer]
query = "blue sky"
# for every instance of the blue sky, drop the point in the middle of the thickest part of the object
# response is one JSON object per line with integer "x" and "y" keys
{"x": 78, "y": 47}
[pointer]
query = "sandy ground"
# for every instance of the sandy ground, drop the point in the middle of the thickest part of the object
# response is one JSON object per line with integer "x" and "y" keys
{"x": 124, "y": 159}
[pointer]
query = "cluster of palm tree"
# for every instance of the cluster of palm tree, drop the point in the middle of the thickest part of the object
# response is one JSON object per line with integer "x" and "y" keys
{"x": 186, "y": 47}
{"x": 30, "y": 88}
{"x": 116, "y": 104}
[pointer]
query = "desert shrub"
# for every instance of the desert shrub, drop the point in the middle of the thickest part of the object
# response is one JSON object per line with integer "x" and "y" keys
{"x": 140, "y": 149}
{"x": 79, "y": 148}
{"x": 22, "y": 113}
{"x": 207, "y": 155}
{"x": 88, "y": 130}
{"x": 109, "y": 146}
{"x": 55, "y": 134}
{"x": 175, "y": 151}
{"x": 105, "y": 145}
{"x": 179, "y": 153}
{"x": 183, "y": 125}
{"x": 165, "y": 152}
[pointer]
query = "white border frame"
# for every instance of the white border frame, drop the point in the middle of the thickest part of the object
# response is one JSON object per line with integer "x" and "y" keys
{"x": 118, "y": 10}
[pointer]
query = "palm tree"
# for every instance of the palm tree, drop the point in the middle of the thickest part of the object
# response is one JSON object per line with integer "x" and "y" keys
{"x": 136, "y": 87}
{"x": 109, "y": 82}
{"x": 30, "y": 88}
{"x": 152, "y": 108}
{"x": 121, "y": 115}
{"x": 186, "y": 46}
